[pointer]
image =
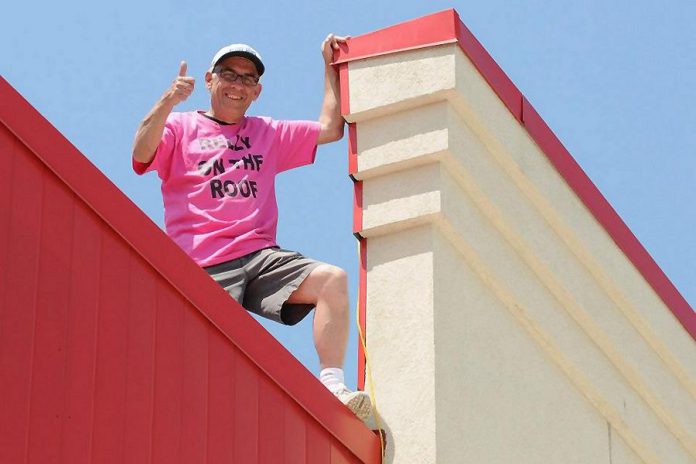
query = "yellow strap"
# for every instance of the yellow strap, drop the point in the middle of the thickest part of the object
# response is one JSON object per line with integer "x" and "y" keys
{"x": 368, "y": 370}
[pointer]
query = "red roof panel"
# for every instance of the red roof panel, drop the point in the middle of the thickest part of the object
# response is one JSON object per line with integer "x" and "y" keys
{"x": 116, "y": 347}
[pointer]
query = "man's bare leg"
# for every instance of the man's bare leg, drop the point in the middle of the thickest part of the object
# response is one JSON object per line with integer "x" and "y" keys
{"x": 327, "y": 288}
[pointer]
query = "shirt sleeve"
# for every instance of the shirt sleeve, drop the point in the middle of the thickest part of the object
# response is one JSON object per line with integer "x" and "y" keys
{"x": 297, "y": 143}
{"x": 163, "y": 155}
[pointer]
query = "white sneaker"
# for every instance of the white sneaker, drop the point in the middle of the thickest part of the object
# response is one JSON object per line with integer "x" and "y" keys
{"x": 357, "y": 401}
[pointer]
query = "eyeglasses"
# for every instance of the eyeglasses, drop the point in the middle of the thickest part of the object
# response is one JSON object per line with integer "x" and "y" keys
{"x": 228, "y": 75}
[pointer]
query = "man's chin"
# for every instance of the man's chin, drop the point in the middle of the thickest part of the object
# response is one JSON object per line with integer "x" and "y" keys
{"x": 232, "y": 105}
{"x": 239, "y": 105}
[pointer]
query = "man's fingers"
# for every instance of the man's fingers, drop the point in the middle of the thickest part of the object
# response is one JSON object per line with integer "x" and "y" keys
{"x": 184, "y": 86}
{"x": 334, "y": 40}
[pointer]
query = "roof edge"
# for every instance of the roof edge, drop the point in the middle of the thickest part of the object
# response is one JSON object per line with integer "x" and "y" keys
{"x": 433, "y": 29}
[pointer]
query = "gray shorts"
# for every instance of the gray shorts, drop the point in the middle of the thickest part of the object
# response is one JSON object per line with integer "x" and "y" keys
{"x": 263, "y": 281}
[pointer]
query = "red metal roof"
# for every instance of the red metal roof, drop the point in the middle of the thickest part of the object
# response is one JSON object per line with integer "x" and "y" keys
{"x": 446, "y": 27}
{"x": 116, "y": 347}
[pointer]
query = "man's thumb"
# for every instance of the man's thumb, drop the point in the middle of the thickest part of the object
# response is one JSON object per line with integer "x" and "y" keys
{"x": 182, "y": 69}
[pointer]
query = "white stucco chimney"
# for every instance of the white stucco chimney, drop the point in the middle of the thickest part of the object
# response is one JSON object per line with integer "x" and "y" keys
{"x": 511, "y": 317}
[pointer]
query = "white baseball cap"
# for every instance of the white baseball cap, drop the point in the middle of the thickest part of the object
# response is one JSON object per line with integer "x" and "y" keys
{"x": 242, "y": 50}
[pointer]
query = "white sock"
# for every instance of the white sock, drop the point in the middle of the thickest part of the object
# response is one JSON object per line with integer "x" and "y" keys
{"x": 332, "y": 378}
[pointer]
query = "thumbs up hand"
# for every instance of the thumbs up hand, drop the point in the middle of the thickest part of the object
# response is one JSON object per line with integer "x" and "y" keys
{"x": 182, "y": 87}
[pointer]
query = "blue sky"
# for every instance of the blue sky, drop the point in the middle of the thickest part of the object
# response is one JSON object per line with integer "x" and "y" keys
{"x": 616, "y": 81}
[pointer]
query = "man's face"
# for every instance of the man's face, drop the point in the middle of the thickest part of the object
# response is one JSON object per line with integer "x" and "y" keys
{"x": 232, "y": 86}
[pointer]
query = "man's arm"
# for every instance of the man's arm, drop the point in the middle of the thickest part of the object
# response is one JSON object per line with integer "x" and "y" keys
{"x": 330, "y": 118}
{"x": 150, "y": 130}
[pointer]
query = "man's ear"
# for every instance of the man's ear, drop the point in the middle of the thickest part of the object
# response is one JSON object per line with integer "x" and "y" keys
{"x": 208, "y": 79}
{"x": 257, "y": 91}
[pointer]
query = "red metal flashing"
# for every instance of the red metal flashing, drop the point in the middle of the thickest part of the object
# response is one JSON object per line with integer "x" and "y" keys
{"x": 357, "y": 208}
{"x": 357, "y": 214}
{"x": 77, "y": 218}
{"x": 437, "y": 28}
{"x": 352, "y": 149}
{"x": 445, "y": 27}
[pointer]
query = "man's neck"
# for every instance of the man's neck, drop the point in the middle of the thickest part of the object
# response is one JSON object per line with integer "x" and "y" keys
{"x": 225, "y": 118}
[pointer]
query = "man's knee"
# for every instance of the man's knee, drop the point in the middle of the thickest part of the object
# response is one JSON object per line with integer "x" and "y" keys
{"x": 334, "y": 279}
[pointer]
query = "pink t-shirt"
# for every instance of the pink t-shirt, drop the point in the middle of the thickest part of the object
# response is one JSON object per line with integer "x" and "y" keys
{"x": 218, "y": 181}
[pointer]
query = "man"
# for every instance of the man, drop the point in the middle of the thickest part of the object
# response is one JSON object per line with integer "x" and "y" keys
{"x": 217, "y": 169}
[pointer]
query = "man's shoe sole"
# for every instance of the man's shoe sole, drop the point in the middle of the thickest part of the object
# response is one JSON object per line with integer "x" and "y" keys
{"x": 361, "y": 405}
